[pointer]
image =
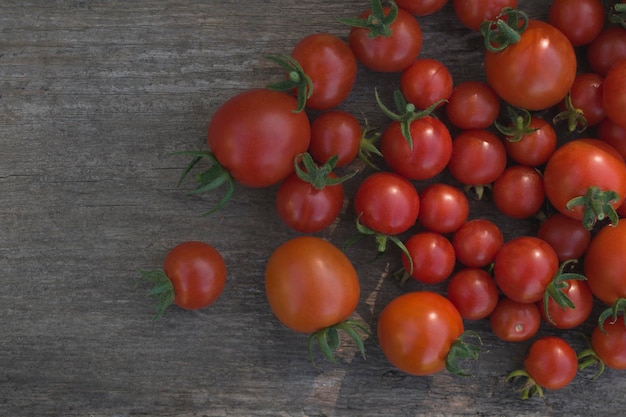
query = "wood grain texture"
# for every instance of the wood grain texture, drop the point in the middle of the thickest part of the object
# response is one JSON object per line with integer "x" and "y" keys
{"x": 94, "y": 98}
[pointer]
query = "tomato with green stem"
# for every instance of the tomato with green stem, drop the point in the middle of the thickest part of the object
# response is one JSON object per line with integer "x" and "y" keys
{"x": 583, "y": 106}
{"x": 473, "y": 292}
{"x": 529, "y": 139}
{"x": 385, "y": 39}
{"x": 477, "y": 242}
{"x": 313, "y": 288}
{"x": 421, "y": 333}
{"x": 513, "y": 321}
{"x": 193, "y": 277}
{"x": 607, "y": 346}
{"x": 430, "y": 256}
{"x": 472, "y": 105}
{"x": 574, "y": 314}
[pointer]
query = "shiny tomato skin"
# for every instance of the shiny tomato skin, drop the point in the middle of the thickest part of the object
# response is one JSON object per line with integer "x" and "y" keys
{"x": 432, "y": 257}
{"x": 421, "y": 7}
{"x": 310, "y": 284}
{"x": 306, "y": 209}
{"x": 335, "y": 132}
{"x": 586, "y": 96}
{"x": 524, "y": 267}
{"x": 551, "y": 362}
{"x": 568, "y": 237}
{"x": 580, "y": 20}
{"x": 416, "y": 330}
{"x": 471, "y": 13}
{"x": 198, "y": 274}
{"x": 613, "y": 134}
{"x": 478, "y": 157}
{"x": 610, "y": 346}
{"x": 614, "y": 93}
{"x": 425, "y": 82}
{"x": 477, "y": 242}
{"x": 429, "y": 155}
{"x": 387, "y": 203}
{"x": 473, "y": 292}
{"x": 519, "y": 192}
{"x": 256, "y": 135}
{"x": 605, "y": 263}
{"x": 537, "y": 72}
{"x": 608, "y": 48}
{"x": 330, "y": 64}
{"x": 394, "y": 53}
{"x": 568, "y": 318}
{"x": 443, "y": 208}
{"x": 512, "y": 321}
{"x": 472, "y": 105}
{"x": 578, "y": 165}
{"x": 534, "y": 148}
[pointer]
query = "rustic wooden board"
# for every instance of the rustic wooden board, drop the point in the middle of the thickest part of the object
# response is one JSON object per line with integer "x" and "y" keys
{"x": 94, "y": 97}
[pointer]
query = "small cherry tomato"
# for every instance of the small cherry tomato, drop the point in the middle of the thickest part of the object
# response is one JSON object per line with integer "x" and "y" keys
{"x": 614, "y": 93}
{"x": 473, "y": 105}
{"x": 471, "y": 13}
{"x": 535, "y": 144}
{"x": 473, "y": 292}
{"x": 443, "y": 208}
{"x": 568, "y": 237}
{"x": 426, "y": 82}
{"x": 551, "y": 362}
{"x": 613, "y": 134}
{"x": 477, "y": 242}
{"x": 432, "y": 257}
{"x": 610, "y": 344}
{"x": 421, "y": 7}
{"x": 335, "y": 132}
{"x": 559, "y": 317}
{"x": 580, "y": 20}
{"x": 512, "y": 321}
{"x": 519, "y": 192}
{"x": 605, "y": 263}
{"x": 608, "y": 48}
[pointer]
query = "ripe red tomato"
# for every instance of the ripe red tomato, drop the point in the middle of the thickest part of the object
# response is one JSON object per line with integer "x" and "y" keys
{"x": 574, "y": 168}
{"x": 426, "y": 82}
{"x": 524, "y": 267}
{"x": 310, "y": 284}
{"x": 335, "y": 132}
{"x": 443, "y": 208}
{"x": 256, "y": 135}
{"x": 330, "y": 64}
{"x": 613, "y": 134}
{"x": 386, "y": 203}
{"x": 568, "y": 237}
{"x": 581, "y": 297}
{"x": 512, "y": 321}
{"x": 473, "y": 105}
{"x": 610, "y": 344}
{"x": 473, "y": 292}
{"x": 583, "y": 106}
{"x": 386, "y": 46}
{"x": 580, "y": 20}
{"x": 193, "y": 277}
{"x": 519, "y": 192}
{"x": 472, "y": 13}
{"x": 605, "y": 263}
{"x": 429, "y": 153}
{"x": 608, "y": 48}
{"x": 477, "y": 242}
{"x": 535, "y": 73}
{"x": 432, "y": 257}
{"x": 614, "y": 93}
{"x": 421, "y": 7}
{"x": 416, "y": 331}
{"x": 531, "y": 145}
{"x": 551, "y": 362}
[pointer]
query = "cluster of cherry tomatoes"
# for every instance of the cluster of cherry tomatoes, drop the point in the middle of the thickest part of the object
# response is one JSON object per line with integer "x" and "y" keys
{"x": 504, "y": 148}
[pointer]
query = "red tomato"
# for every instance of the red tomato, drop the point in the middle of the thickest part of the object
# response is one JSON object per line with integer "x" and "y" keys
{"x": 421, "y": 7}
{"x": 335, "y": 133}
{"x": 535, "y": 147}
{"x": 443, "y": 208}
{"x": 580, "y": 20}
{"x": 393, "y": 51}
{"x": 386, "y": 203}
{"x": 608, "y": 48}
{"x": 614, "y": 93}
{"x": 330, "y": 64}
{"x": 580, "y": 295}
{"x": 583, "y": 107}
{"x": 426, "y": 82}
{"x": 535, "y": 73}
{"x": 473, "y": 105}
{"x": 310, "y": 284}
{"x": 473, "y": 292}
{"x": 610, "y": 346}
{"x": 472, "y": 13}
{"x": 578, "y": 165}
{"x": 432, "y": 257}
{"x": 512, "y": 321}
{"x": 605, "y": 263}
{"x": 477, "y": 242}
{"x": 427, "y": 156}
{"x": 551, "y": 362}
{"x": 524, "y": 267}
{"x": 478, "y": 157}
{"x": 613, "y": 134}
{"x": 568, "y": 237}
{"x": 193, "y": 277}
{"x": 519, "y": 192}
{"x": 416, "y": 331}
{"x": 256, "y": 135}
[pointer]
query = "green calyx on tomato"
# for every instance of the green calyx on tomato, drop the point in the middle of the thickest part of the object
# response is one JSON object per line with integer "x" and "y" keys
{"x": 407, "y": 113}
{"x": 297, "y": 80}
{"x": 589, "y": 357}
{"x": 519, "y": 126}
{"x": 377, "y": 22}
{"x": 575, "y": 117}
{"x": 210, "y": 179}
{"x": 461, "y": 350}
{"x": 556, "y": 288}
{"x": 505, "y": 30}
{"x": 367, "y": 146}
{"x": 163, "y": 289}
{"x": 328, "y": 339}
{"x": 618, "y": 307}
{"x": 318, "y": 176}
{"x": 596, "y": 206}
{"x": 530, "y": 388}
{"x": 618, "y": 14}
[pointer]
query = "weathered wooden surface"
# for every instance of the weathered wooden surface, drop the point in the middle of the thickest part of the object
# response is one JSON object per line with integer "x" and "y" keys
{"x": 94, "y": 96}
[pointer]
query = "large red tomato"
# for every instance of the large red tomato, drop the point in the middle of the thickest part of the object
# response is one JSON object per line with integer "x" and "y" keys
{"x": 605, "y": 263}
